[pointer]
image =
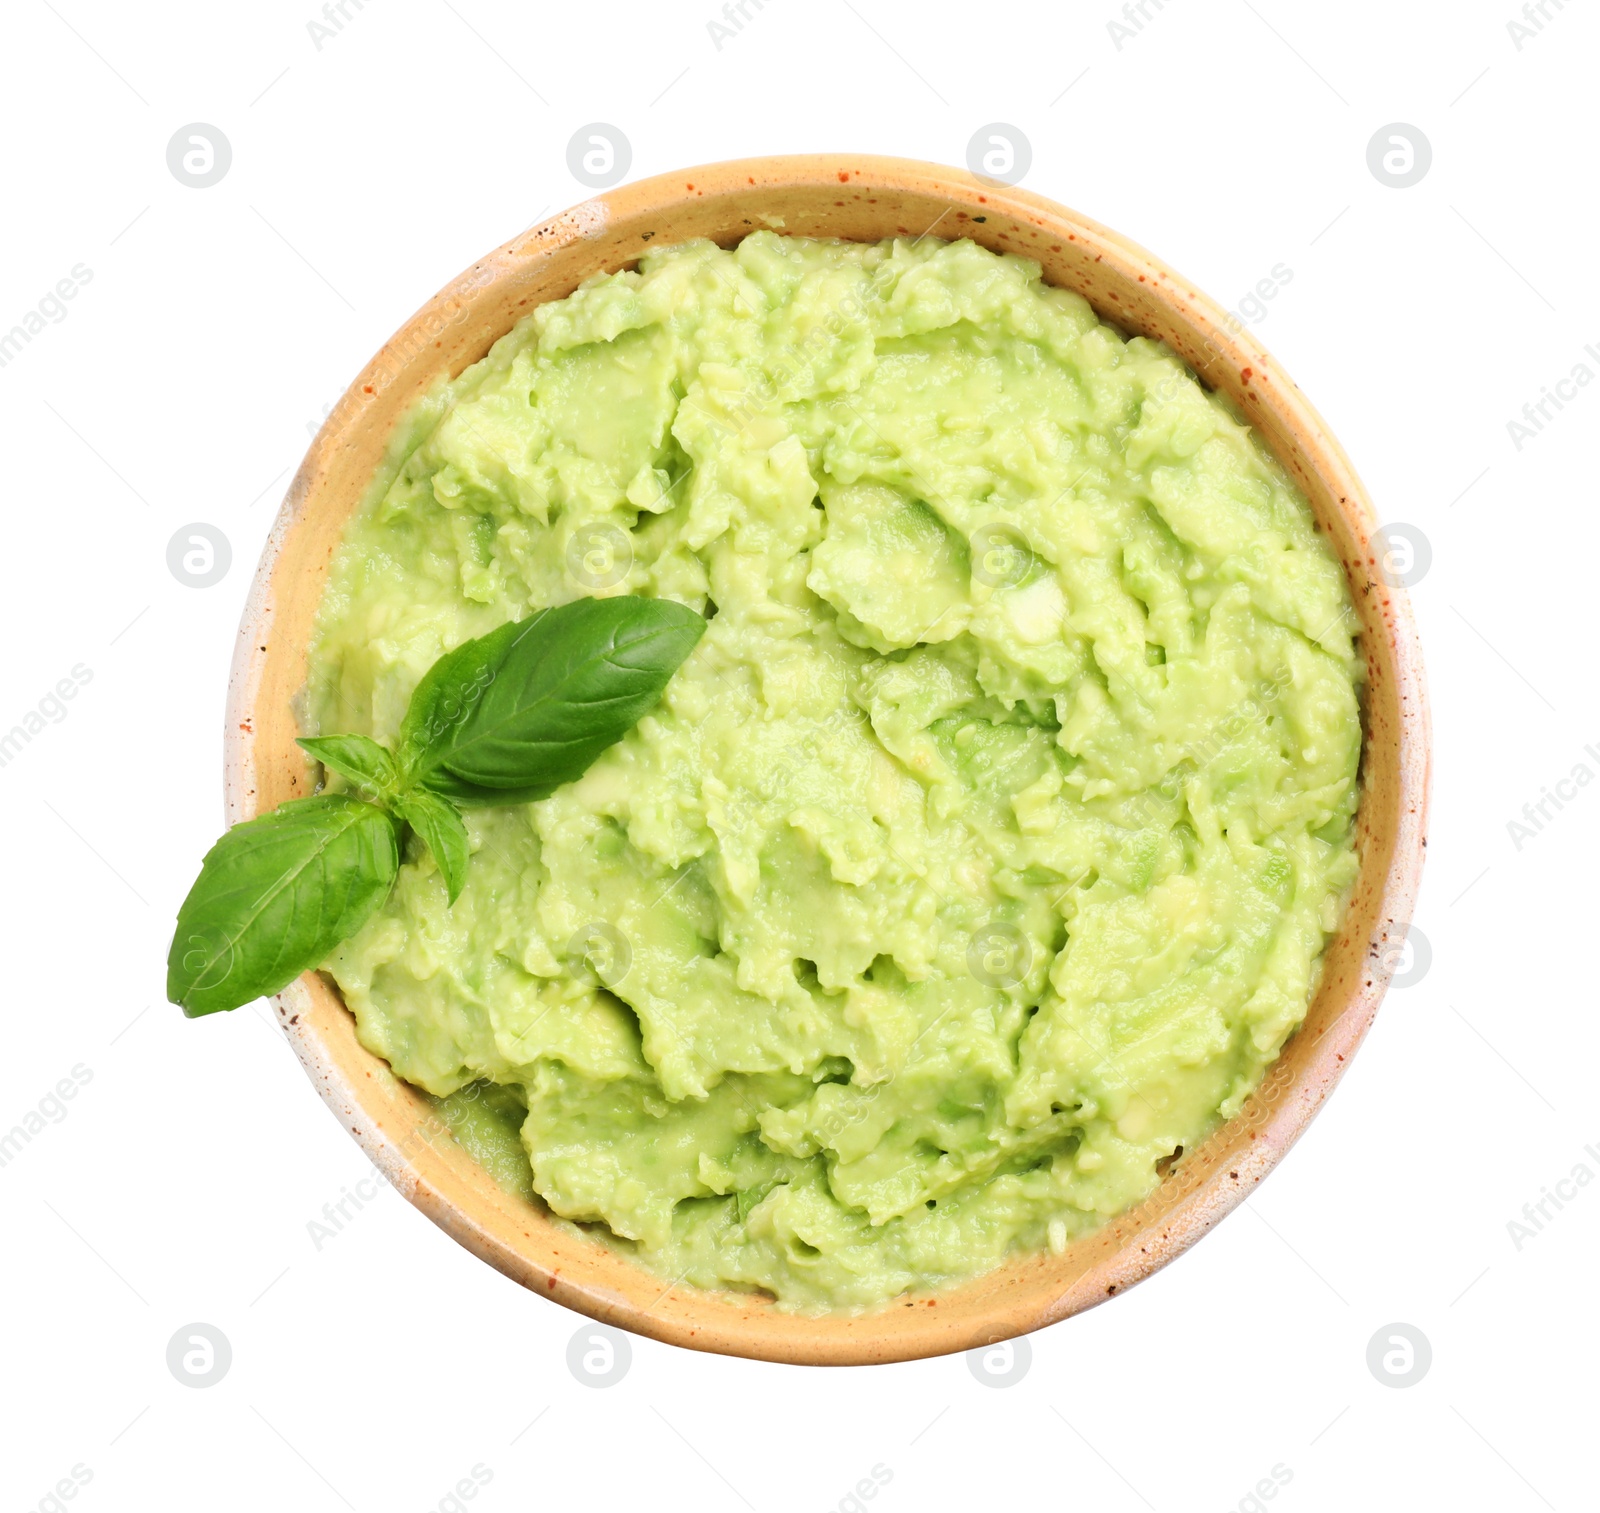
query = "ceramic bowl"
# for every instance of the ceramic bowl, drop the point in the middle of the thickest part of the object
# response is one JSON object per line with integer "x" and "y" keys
{"x": 862, "y": 198}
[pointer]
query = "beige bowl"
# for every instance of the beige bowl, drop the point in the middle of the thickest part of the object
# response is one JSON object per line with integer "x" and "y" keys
{"x": 862, "y": 198}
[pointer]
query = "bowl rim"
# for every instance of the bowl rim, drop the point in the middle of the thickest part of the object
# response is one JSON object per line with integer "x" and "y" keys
{"x": 1028, "y": 1291}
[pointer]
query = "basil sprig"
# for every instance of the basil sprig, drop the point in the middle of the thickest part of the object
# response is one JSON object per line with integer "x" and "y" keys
{"x": 503, "y": 719}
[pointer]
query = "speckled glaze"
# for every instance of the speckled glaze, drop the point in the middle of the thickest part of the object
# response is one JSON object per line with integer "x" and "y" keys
{"x": 862, "y": 198}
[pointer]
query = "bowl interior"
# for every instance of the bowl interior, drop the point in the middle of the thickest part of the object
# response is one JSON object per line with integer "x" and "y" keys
{"x": 857, "y": 198}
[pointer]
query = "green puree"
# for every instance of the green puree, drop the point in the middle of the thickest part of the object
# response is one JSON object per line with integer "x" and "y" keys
{"x": 980, "y": 855}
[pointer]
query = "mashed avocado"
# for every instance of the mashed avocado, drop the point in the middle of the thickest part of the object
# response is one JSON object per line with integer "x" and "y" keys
{"x": 982, "y": 853}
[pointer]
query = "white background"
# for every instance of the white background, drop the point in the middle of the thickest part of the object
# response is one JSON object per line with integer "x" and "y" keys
{"x": 181, "y": 386}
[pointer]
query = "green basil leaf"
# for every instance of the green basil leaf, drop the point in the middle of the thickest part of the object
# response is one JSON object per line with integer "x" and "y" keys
{"x": 438, "y": 822}
{"x": 275, "y": 895}
{"x": 473, "y": 796}
{"x": 541, "y": 698}
{"x": 449, "y": 690}
{"x": 356, "y": 757}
